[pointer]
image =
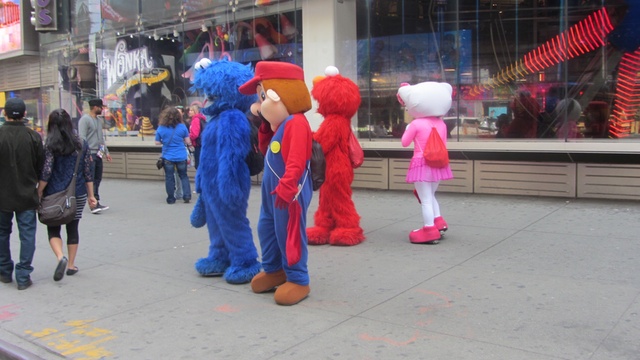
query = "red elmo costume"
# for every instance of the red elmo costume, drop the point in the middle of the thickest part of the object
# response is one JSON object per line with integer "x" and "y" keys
{"x": 336, "y": 220}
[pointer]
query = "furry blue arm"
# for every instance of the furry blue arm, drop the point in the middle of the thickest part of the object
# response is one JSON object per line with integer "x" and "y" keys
{"x": 233, "y": 179}
{"x": 198, "y": 215}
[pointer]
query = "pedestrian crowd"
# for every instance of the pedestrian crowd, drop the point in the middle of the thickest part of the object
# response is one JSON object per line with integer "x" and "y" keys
{"x": 31, "y": 170}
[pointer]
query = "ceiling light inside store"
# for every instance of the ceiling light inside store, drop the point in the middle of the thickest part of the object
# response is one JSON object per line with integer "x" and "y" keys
{"x": 175, "y": 32}
{"x": 155, "y": 35}
{"x": 203, "y": 28}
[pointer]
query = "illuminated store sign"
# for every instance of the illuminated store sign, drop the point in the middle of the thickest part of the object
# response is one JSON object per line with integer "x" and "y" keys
{"x": 123, "y": 62}
{"x": 45, "y": 17}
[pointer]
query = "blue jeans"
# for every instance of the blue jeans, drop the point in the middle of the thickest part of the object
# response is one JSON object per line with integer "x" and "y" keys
{"x": 170, "y": 181}
{"x": 178, "y": 193}
{"x": 27, "y": 225}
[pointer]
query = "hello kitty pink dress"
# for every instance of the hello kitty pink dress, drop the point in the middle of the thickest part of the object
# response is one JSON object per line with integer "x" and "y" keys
{"x": 418, "y": 132}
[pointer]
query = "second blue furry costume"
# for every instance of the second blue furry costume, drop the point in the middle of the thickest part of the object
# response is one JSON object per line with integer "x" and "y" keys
{"x": 223, "y": 179}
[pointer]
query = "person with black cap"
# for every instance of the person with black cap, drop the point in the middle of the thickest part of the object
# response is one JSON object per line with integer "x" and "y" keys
{"x": 21, "y": 161}
{"x": 90, "y": 130}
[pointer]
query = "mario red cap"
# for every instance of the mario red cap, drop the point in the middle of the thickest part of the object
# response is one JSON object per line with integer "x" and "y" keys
{"x": 267, "y": 70}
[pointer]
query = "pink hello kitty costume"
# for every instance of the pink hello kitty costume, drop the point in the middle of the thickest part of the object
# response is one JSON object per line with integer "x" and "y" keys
{"x": 426, "y": 102}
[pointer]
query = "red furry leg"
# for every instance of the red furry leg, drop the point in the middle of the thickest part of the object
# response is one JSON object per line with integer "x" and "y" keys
{"x": 347, "y": 231}
{"x": 317, "y": 235}
{"x": 346, "y": 236}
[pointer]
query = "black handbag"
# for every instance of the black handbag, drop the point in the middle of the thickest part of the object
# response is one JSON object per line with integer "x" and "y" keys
{"x": 60, "y": 208}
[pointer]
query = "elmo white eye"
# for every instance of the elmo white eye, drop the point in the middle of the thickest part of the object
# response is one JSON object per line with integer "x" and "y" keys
{"x": 331, "y": 71}
{"x": 202, "y": 64}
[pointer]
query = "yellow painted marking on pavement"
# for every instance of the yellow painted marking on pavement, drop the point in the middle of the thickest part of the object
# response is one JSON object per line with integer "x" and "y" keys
{"x": 63, "y": 344}
{"x": 93, "y": 332}
{"x": 42, "y": 333}
{"x": 78, "y": 323}
{"x": 82, "y": 343}
{"x": 88, "y": 347}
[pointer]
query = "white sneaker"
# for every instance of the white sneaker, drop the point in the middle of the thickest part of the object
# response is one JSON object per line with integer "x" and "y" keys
{"x": 102, "y": 207}
{"x": 99, "y": 208}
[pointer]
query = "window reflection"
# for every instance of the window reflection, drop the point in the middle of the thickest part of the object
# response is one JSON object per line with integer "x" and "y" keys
{"x": 139, "y": 57}
{"x": 521, "y": 70}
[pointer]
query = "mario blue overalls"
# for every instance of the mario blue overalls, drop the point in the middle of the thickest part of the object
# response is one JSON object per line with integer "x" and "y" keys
{"x": 272, "y": 225}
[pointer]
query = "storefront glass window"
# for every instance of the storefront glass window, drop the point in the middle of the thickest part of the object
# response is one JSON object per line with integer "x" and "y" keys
{"x": 558, "y": 71}
{"x": 138, "y": 56}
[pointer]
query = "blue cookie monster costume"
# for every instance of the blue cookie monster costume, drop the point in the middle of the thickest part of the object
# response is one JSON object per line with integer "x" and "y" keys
{"x": 223, "y": 179}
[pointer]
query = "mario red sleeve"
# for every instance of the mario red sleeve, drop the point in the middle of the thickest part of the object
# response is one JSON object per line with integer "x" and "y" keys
{"x": 264, "y": 136}
{"x": 296, "y": 151}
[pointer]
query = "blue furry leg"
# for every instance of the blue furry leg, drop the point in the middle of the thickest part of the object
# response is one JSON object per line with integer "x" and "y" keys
{"x": 216, "y": 263}
{"x": 243, "y": 254}
{"x": 211, "y": 267}
{"x": 242, "y": 274}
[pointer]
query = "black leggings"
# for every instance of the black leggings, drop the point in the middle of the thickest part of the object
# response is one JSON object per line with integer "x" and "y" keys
{"x": 73, "y": 237}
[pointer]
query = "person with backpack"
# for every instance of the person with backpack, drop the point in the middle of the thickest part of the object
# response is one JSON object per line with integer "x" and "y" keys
{"x": 336, "y": 221}
{"x": 286, "y": 139}
{"x": 427, "y": 103}
{"x": 198, "y": 123}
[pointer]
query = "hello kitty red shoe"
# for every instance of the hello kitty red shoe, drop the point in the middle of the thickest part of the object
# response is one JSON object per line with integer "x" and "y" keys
{"x": 440, "y": 224}
{"x": 428, "y": 234}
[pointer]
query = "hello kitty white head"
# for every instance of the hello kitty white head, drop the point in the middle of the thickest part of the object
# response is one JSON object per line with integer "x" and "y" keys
{"x": 426, "y": 99}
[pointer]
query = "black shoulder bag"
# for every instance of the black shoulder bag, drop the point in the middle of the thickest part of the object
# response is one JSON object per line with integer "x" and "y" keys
{"x": 60, "y": 208}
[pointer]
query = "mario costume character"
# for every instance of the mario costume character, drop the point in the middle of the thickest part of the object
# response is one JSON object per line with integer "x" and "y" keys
{"x": 285, "y": 139}
{"x": 336, "y": 221}
{"x": 222, "y": 179}
{"x": 426, "y": 102}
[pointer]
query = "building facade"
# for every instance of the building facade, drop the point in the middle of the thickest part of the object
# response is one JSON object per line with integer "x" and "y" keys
{"x": 546, "y": 96}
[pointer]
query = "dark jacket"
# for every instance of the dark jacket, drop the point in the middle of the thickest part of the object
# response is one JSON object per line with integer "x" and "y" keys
{"x": 21, "y": 160}
{"x": 58, "y": 171}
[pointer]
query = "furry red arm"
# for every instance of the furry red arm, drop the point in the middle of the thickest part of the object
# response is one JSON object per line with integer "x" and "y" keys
{"x": 333, "y": 131}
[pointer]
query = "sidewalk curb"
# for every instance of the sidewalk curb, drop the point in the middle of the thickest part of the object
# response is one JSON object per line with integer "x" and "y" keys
{"x": 12, "y": 352}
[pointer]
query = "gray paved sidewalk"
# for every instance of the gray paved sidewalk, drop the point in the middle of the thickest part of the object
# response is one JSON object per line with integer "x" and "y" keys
{"x": 516, "y": 278}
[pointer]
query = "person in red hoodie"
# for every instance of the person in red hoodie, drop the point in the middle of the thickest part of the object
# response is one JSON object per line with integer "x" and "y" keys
{"x": 198, "y": 122}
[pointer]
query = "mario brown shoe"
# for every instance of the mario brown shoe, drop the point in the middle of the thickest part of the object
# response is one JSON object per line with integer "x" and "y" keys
{"x": 264, "y": 282}
{"x": 290, "y": 293}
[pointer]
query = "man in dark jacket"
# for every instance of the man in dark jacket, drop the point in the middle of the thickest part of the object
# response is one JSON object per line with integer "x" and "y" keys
{"x": 21, "y": 161}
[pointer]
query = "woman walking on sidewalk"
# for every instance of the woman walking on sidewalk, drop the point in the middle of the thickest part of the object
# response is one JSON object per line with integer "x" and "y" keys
{"x": 62, "y": 147}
